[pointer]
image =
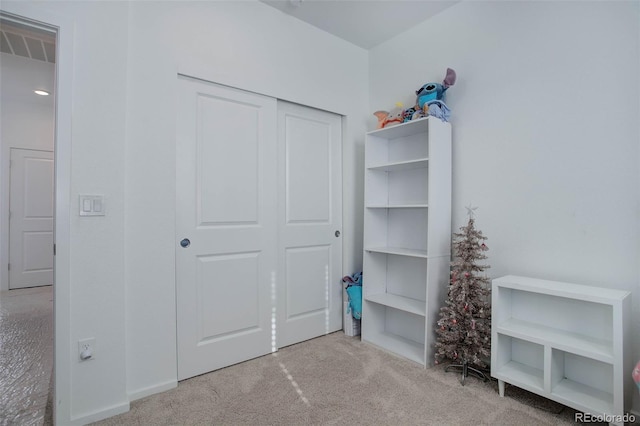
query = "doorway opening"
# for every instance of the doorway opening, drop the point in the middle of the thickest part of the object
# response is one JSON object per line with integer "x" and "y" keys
{"x": 28, "y": 121}
{"x": 27, "y": 164}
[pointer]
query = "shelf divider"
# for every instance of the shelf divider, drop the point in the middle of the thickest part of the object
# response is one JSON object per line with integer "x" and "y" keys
{"x": 578, "y": 344}
{"x": 398, "y": 206}
{"x": 401, "y": 165}
{"x": 413, "y": 306}
{"x": 399, "y": 251}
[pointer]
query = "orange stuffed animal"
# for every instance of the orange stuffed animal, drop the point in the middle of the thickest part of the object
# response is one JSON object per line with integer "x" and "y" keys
{"x": 390, "y": 118}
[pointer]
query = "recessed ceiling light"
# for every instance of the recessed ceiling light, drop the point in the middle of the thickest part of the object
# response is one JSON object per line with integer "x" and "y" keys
{"x": 41, "y": 92}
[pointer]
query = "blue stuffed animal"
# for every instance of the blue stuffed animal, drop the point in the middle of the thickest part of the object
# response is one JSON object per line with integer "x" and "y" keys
{"x": 430, "y": 98}
{"x": 435, "y": 91}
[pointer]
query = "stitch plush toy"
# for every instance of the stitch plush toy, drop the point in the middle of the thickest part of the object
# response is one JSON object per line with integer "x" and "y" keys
{"x": 430, "y": 98}
{"x": 435, "y": 91}
{"x": 390, "y": 118}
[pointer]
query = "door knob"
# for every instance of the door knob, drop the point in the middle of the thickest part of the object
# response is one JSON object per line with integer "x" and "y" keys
{"x": 185, "y": 243}
{"x": 337, "y": 234}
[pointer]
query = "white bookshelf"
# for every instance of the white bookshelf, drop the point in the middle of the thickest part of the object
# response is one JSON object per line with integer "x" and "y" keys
{"x": 563, "y": 341}
{"x": 407, "y": 236}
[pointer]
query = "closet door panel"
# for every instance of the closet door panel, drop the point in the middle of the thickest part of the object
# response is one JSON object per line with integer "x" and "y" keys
{"x": 310, "y": 212}
{"x": 308, "y": 170}
{"x": 226, "y": 229}
{"x": 228, "y": 154}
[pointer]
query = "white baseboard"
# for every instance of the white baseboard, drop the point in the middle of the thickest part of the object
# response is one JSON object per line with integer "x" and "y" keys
{"x": 144, "y": 392}
{"x": 124, "y": 407}
{"x": 101, "y": 414}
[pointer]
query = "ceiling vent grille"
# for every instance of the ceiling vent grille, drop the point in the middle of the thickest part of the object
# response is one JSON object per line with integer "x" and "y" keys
{"x": 28, "y": 44}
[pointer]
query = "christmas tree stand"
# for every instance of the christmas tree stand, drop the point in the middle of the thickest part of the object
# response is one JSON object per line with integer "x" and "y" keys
{"x": 466, "y": 370}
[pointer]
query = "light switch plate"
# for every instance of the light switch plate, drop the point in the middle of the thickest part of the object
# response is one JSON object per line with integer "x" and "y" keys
{"x": 91, "y": 205}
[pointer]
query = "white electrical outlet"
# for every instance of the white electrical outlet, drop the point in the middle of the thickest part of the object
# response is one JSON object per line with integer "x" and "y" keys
{"x": 87, "y": 349}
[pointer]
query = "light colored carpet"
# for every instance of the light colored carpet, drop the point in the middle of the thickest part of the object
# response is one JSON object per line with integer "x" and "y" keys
{"x": 26, "y": 354}
{"x": 338, "y": 380}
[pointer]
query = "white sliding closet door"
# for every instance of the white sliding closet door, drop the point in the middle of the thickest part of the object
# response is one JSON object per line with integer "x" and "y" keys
{"x": 258, "y": 222}
{"x": 226, "y": 225}
{"x": 309, "y": 223}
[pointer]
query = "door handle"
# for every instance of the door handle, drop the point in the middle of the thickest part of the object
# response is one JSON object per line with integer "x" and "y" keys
{"x": 185, "y": 243}
{"x": 337, "y": 234}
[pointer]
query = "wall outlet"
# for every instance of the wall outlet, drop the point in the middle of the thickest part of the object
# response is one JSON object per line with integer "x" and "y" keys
{"x": 87, "y": 349}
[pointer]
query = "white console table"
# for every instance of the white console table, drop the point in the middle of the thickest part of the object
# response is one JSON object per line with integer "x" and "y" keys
{"x": 565, "y": 342}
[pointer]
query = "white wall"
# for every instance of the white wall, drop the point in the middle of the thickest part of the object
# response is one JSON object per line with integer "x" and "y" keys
{"x": 26, "y": 121}
{"x": 97, "y": 258}
{"x": 90, "y": 289}
{"x": 545, "y": 131}
{"x": 248, "y": 45}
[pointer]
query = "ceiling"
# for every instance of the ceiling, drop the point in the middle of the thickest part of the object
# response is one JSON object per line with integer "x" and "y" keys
{"x": 365, "y": 23}
{"x": 28, "y": 42}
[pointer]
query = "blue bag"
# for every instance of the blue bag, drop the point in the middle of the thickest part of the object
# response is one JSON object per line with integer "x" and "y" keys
{"x": 354, "y": 291}
{"x": 355, "y": 300}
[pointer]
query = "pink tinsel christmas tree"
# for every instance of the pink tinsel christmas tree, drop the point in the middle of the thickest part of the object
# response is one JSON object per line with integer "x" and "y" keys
{"x": 464, "y": 327}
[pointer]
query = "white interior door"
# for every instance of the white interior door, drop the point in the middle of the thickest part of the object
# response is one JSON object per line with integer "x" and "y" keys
{"x": 30, "y": 218}
{"x": 226, "y": 208}
{"x": 309, "y": 223}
